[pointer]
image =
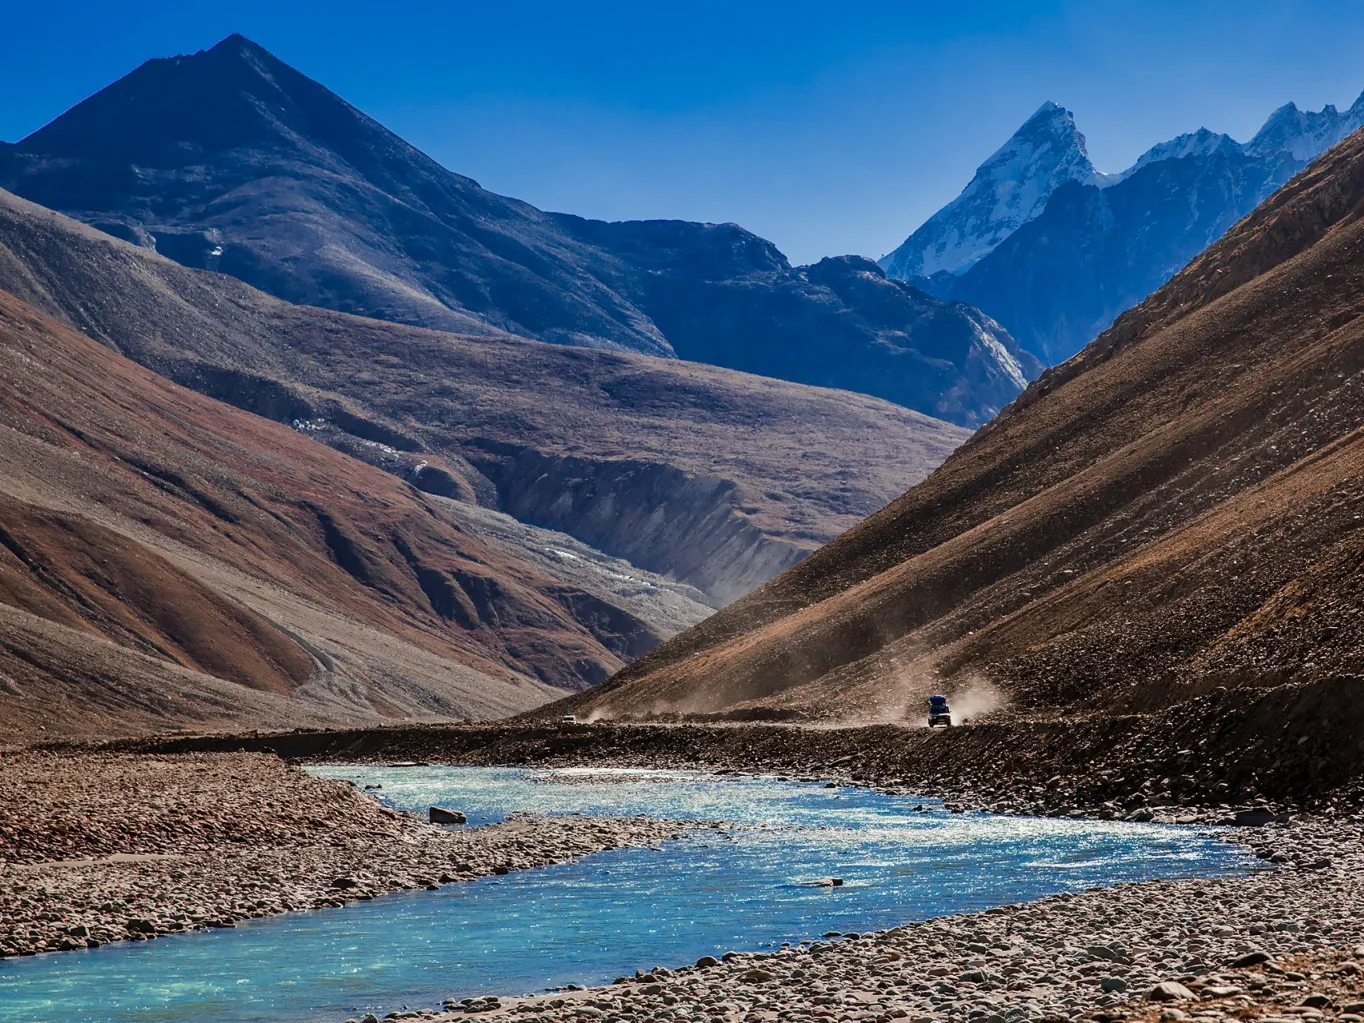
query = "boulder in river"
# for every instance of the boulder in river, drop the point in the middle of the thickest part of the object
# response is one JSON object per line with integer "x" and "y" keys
{"x": 439, "y": 815}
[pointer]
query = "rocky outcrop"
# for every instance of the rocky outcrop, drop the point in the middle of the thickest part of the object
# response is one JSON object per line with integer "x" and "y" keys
{"x": 655, "y": 516}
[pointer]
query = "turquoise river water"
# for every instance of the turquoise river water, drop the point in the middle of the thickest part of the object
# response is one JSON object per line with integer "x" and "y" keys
{"x": 902, "y": 859}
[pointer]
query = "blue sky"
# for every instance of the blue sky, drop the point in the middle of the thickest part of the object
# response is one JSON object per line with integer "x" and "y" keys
{"x": 828, "y": 127}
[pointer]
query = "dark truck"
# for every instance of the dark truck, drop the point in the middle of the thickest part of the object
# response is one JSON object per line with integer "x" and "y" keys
{"x": 938, "y": 712}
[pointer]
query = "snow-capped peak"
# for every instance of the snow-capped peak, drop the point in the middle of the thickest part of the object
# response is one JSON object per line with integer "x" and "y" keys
{"x": 1008, "y": 190}
{"x": 1195, "y": 143}
{"x": 1013, "y": 185}
{"x": 1305, "y": 134}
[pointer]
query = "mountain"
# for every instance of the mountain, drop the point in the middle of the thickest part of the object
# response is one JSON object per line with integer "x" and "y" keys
{"x": 1174, "y": 513}
{"x": 1009, "y": 189}
{"x": 328, "y": 552}
{"x": 166, "y": 560}
{"x": 715, "y": 479}
{"x": 1095, "y": 252}
{"x": 230, "y": 160}
{"x": 1095, "y": 245}
{"x": 1305, "y": 134}
{"x": 1191, "y": 144}
{"x": 794, "y": 322}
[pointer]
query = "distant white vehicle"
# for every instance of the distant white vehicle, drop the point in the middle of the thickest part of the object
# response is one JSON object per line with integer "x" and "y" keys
{"x": 568, "y": 719}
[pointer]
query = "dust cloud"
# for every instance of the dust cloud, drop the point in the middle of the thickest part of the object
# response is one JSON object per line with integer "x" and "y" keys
{"x": 975, "y": 700}
{"x": 905, "y": 702}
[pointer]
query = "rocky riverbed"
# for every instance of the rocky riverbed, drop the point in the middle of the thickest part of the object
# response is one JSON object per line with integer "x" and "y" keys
{"x": 1273, "y": 945}
{"x": 102, "y": 848}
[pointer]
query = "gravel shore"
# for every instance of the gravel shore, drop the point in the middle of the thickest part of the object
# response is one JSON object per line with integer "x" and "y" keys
{"x": 95, "y": 849}
{"x": 1196, "y": 761}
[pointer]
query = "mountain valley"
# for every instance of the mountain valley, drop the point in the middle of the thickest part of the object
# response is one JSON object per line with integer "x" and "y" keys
{"x": 230, "y": 160}
{"x": 417, "y": 604}
{"x": 1173, "y": 513}
{"x": 618, "y": 450}
{"x": 639, "y": 457}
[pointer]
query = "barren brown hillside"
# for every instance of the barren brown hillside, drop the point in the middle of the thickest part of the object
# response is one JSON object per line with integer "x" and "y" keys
{"x": 1178, "y": 508}
{"x": 719, "y": 479}
{"x": 166, "y": 559}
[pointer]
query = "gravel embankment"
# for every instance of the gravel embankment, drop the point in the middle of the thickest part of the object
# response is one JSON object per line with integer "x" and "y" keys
{"x": 1293, "y": 747}
{"x": 95, "y": 849}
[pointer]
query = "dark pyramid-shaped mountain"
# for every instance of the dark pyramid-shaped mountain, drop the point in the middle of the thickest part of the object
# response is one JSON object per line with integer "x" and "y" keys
{"x": 231, "y": 160}
{"x": 178, "y": 110}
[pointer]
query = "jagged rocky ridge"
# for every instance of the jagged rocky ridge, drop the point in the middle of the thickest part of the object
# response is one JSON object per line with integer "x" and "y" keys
{"x": 1009, "y": 189}
{"x": 1055, "y": 250}
{"x": 231, "y": 160}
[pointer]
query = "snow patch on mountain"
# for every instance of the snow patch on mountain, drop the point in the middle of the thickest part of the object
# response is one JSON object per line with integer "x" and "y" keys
{"x": 1195, "y": 143}
{"x": 993, "y": 350}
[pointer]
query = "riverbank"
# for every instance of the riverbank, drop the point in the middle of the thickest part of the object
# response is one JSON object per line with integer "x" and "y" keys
{"x": 102, "y": 846}
{"x": 1269, "y": 946}
{"x": 97, "y": 848}
{"x": 1286, "y": 750}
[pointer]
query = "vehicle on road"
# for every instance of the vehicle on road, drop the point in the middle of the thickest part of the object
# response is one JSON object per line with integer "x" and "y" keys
{"x": 938, "y": 712}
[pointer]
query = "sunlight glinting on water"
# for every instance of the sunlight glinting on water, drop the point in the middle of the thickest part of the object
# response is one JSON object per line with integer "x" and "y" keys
{"x": 746, "y": 887}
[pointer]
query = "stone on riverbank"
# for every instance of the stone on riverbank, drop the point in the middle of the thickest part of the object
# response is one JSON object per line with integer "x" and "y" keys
{"x": 1170, "y": 991}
